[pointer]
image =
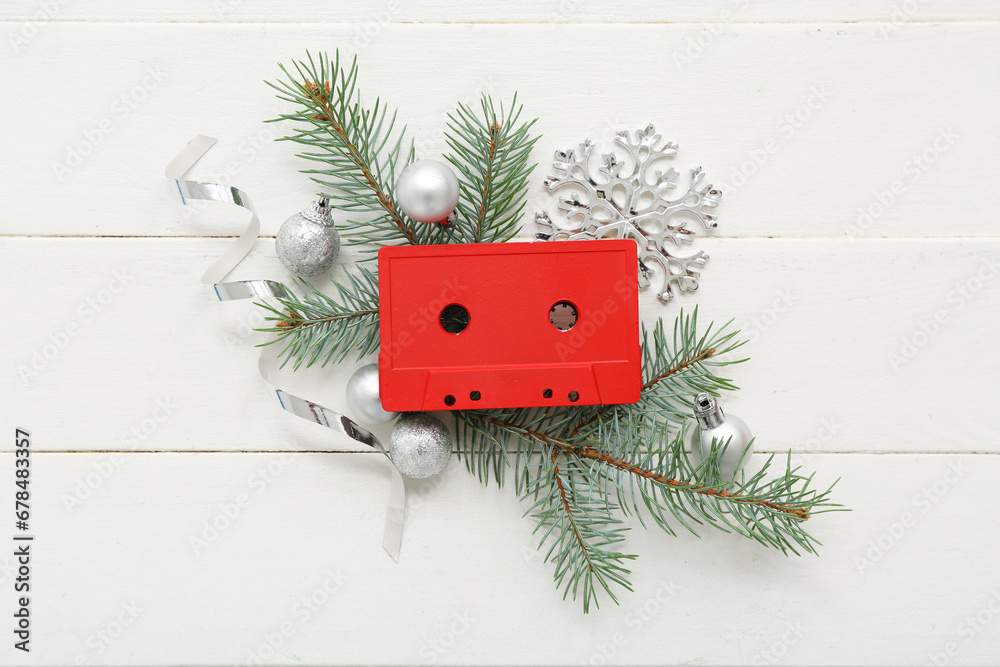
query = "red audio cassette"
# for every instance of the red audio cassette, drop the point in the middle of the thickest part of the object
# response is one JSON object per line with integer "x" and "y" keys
{"x": 503, "y": 325}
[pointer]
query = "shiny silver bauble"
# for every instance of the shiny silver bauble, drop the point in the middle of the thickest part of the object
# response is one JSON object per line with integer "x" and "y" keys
{"x": 427, "y": 191}
{"x": 307, "y": 243}
{"x": 713, "y": 426}
{"x": 363, "y": 397}
{"x": 420, "y": 445}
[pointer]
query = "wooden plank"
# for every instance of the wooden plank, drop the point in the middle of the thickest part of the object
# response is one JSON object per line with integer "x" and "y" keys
{"x": 116, "y": 574}
{"x": 847, "y": 141}
{"x": 871, "y": 345}
{"x": 375, "y": 12}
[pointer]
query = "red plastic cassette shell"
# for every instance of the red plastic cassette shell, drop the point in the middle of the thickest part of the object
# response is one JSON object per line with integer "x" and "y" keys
{"x": 510, "y": 353}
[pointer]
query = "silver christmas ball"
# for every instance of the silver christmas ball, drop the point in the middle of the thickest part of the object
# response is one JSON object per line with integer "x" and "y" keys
{"x": 715, "y": 426}
{"x": 420, "y": 445}
{"x": 427, "y": 191}
{"x": 363, "y": 397}
{"x": 307, "y": 242}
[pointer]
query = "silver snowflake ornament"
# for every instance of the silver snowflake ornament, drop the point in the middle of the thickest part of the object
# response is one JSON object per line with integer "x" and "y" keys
{"x": 630, "y": 199}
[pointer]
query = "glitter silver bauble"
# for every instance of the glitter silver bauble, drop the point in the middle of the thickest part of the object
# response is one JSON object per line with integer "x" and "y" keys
{"x": 427, "y": 191}
{"x": 307, "y": 242}
{"x": 420, "y": 445}
{"x": 714, "y": 426}
{"x": 363, "y": 397}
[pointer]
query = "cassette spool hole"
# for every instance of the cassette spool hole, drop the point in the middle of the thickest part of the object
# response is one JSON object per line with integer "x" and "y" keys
{"x": 454, "y": 318}
{"x": 563, "y": 315}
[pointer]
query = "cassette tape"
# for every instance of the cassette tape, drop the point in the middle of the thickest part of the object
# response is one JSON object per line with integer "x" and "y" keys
{"x": 502, "y": 325}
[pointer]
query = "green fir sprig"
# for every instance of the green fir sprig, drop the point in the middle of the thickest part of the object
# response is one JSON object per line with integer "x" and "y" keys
{"x": 318, "y": 328}
{"x": 582, "y": 471}
{"x": 360, "y": 151}
{"x": 490, "y": 152}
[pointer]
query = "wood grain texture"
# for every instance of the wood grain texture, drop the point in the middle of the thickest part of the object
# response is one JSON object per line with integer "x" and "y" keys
{"x": 514, "y": 11}
{"x": 847, "y": 341}
{"x": 818, "y": 130}
{"x": 470, "y": 588}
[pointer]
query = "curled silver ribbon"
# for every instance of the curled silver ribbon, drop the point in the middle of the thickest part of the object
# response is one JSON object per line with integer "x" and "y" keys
{"x": 261, "y": 289}
{"x": 251, "y": 289}
{"x": 186, "y": 159}
{"x": 392, "y": 536}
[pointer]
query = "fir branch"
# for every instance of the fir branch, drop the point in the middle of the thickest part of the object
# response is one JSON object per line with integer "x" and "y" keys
{"x": 490, "y": 152}
{"x": 321, "y": 329}
{"x": 631, "y": 460}
{"x": 359, "y": 148}
{"x": 579, "y": 524}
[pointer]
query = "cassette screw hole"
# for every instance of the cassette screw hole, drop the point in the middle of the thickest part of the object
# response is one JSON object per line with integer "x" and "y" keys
{"x": 547, "y": 393}
{"x": 449, "y": 400}
{"x": 454, "y": 318}
{"x": 563, "y": 316}
{"x": 475, "y": 395}
{"x": 574, "y": 396}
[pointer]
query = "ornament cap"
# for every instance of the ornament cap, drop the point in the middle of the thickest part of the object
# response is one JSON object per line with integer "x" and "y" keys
{"x": 707, "y": 411}
{"x": 320, "y": 212}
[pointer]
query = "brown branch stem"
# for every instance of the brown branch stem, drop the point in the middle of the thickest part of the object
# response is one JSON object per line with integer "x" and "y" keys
{"x": 487, "y": 178}
{"x": 590, "y": 453}
{"x": 295, "y": 322}
{"x": 569, "y": 511}
{"x": 319, "y": 96}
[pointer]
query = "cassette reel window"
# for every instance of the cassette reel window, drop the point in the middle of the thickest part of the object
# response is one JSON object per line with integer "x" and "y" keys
{"x": 563, "y": 315}
{"x": 454, "y": 318}
{"x": 508, "y": 325}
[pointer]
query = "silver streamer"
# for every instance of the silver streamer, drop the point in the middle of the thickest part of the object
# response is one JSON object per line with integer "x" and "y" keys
{"x": 392, "y": 536}
{"x": 193, "y": 152}
{"x": 251, "y": 289}
{"x": 263, "y": 289}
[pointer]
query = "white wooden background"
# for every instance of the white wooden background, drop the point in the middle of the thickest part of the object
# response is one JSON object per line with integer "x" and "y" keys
{"x": 150, "y": 420}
